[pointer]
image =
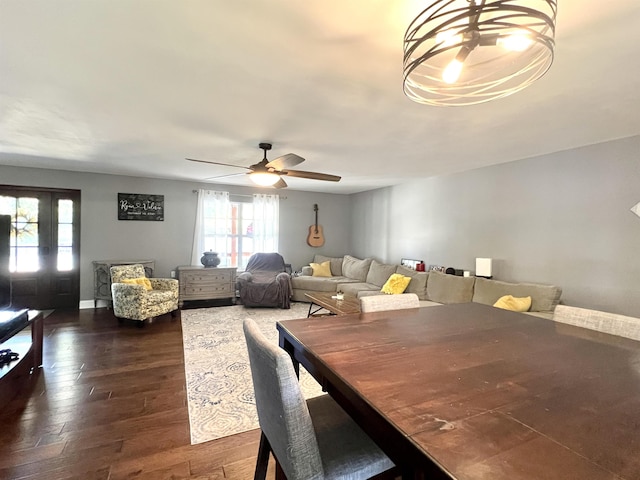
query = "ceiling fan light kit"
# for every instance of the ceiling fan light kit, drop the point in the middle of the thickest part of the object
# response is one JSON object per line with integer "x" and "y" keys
{"x": 465, "y": 52}
{"x": 264, "y": 179}
{"x": 269, "y": 173}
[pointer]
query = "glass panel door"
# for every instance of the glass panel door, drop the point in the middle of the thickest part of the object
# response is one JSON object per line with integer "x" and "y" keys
{"x": 44, "y": 247}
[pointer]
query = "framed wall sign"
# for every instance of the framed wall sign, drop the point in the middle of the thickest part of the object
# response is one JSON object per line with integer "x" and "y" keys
{"x": 140, "y": 206}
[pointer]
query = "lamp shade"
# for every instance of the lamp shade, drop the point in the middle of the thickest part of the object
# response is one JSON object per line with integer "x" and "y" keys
{"x": 483, "y": 267}
{"x": 264, "y": 179}
{"x": 464, "y": 52}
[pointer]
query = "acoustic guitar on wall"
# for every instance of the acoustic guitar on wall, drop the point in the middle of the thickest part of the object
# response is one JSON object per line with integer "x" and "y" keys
{"x": 315, "y": 237}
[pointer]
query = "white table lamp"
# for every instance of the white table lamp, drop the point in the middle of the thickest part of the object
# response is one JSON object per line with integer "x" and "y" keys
{"x": 483, "y": 267}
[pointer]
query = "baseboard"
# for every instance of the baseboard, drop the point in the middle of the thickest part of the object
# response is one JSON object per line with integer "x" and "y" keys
{"x": 90, "y": 304}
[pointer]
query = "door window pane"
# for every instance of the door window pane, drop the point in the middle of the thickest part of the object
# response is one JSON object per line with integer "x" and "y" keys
{"x": 65, "y": 235}
{"x": 24, "y": 232}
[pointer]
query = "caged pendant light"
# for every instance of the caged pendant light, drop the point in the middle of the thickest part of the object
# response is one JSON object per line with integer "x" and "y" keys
{"x": 464, "y": 52}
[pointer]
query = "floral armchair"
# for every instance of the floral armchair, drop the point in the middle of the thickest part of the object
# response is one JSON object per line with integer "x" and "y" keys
{"x": 136, "y": 297}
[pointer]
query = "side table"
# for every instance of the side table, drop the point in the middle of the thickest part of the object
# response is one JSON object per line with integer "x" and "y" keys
{"x": 17, "y": 374}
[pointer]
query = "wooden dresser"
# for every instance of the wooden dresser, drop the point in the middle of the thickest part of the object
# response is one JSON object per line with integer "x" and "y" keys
{"x": 206, "y": 283}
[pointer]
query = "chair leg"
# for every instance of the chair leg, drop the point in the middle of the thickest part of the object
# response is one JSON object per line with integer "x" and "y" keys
{"x": 263, "y": 458}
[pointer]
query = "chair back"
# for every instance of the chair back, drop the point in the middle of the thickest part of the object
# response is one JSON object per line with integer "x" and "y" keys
{"x": 378, "y": 303}
{"x": 119, "y": 272}
{"x": 282, "y": 410}
{"x": 269, "y": 262}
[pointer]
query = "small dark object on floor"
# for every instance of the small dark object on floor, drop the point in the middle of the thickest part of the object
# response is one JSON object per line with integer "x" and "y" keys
{"x": 7, "y": 356}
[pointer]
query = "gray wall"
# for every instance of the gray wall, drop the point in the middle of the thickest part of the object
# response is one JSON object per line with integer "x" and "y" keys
{"x": 169, "y": 242}
{"x": 563, "y": 219}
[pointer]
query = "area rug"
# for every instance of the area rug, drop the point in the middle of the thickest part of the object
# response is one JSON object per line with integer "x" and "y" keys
{"x": 219, "y": 387}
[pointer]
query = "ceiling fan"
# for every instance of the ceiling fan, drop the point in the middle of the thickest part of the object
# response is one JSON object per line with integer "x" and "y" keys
{"x": 269, "y": 173}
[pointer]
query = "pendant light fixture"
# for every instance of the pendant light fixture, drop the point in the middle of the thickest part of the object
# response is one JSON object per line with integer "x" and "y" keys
{"x": 464, "y": 52}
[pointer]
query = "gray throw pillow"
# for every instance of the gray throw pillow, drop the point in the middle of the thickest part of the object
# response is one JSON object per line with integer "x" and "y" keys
{"x": 418, "y": 284}
{"x": 443, "y": 288}
{"x": 356, "y": 268}
{"x": 379, "y": 273}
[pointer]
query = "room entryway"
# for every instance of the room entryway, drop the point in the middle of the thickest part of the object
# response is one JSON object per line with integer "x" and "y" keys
{"x": 45, "y": 246}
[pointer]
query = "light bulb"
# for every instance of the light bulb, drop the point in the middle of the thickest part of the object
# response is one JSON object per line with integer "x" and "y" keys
{"x": 516, "y": 42}
{"x": 265, "y": 179}
{"x": 452, "y": 72}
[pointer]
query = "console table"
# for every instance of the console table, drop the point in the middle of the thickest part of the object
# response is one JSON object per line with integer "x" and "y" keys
{"x": 206, "y": 283}
{"x": 102, "y": 276}
{"x": 16, "y": 374}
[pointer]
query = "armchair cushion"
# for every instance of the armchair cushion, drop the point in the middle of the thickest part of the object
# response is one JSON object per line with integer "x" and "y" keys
{"x": 144, "y": 281}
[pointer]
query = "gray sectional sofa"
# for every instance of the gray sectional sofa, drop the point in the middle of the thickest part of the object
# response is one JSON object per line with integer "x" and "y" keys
{"x": 361, "y": 277}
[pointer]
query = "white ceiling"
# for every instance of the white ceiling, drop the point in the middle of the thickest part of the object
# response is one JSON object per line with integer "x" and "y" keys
{"x": 132, "y": 87}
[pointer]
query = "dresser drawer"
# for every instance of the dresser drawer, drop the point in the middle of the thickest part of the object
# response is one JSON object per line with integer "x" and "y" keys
{"x": 218, "y": 289}
{"x": 218, "y": 277}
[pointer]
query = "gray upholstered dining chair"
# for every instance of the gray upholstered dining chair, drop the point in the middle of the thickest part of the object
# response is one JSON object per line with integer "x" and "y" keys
{"x": 313, "y": 439}
{"x": 378, "y": 303}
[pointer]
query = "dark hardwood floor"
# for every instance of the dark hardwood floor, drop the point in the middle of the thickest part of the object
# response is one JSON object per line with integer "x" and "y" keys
{"x": 110, "y": 403}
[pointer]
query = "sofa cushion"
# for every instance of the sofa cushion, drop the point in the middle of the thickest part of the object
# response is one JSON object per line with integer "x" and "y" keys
{"x": 321, "y": 269}
{"x": 515, "y": 304}
{"x": 544, "y": 298}
{"x": 396, "y": 284}
{"x": 356, "y": 268}
{"x": 379, "y": 273}
{"x": 418, "y": 284}
{"x": 443, "y": 288}
{"x": 318, "y": 284}
{"x": 336, "y": 263}
{"x": 354, "y": 288}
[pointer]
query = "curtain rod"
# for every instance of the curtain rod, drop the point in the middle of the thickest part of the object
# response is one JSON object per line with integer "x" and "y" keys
{"x": 241, "y": 195}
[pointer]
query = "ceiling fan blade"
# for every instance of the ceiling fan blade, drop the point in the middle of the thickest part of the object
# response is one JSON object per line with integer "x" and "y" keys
{"x": 285, "y": 161}
{"x": 216, "y": 163}
{"x": 312, "y": 175}
{"x": 280, "y": 184}
{"x": 224, "y": 176}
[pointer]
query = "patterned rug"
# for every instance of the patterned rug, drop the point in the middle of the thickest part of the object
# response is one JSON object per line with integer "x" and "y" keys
{"x": 219, "y": 387}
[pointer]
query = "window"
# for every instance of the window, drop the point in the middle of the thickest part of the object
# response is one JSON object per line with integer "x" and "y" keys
{"x": 235, "y": 228}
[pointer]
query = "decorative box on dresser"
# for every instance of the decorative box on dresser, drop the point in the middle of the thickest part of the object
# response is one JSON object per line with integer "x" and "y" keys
{"x": 206, "y": 283}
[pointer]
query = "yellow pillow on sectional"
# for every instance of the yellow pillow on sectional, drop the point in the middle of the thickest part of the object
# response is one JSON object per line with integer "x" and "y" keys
{"x": 144, "y": 281}
{"x": 321, "y": 269}
{"x": 396, "y": 284}
{"x": 516, "y": 304}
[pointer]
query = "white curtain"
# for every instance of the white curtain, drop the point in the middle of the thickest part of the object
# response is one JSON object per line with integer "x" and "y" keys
{"x": 211, "y": 232}
{"x": 266, "y": 223}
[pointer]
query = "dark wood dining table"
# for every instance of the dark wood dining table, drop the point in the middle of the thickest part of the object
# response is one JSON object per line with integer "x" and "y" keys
{"x": 469, "y": 391}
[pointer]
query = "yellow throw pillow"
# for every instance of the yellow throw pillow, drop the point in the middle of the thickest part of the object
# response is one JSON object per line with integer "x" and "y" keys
{"x": 396, "y": 284}
{"x": 516, "y": 304}
{"x": 321, "y": 269}
{"x": 144, "y": 281}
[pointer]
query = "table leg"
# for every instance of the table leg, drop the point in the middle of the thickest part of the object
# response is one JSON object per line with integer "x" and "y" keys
{"x": 287, "y": 347}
